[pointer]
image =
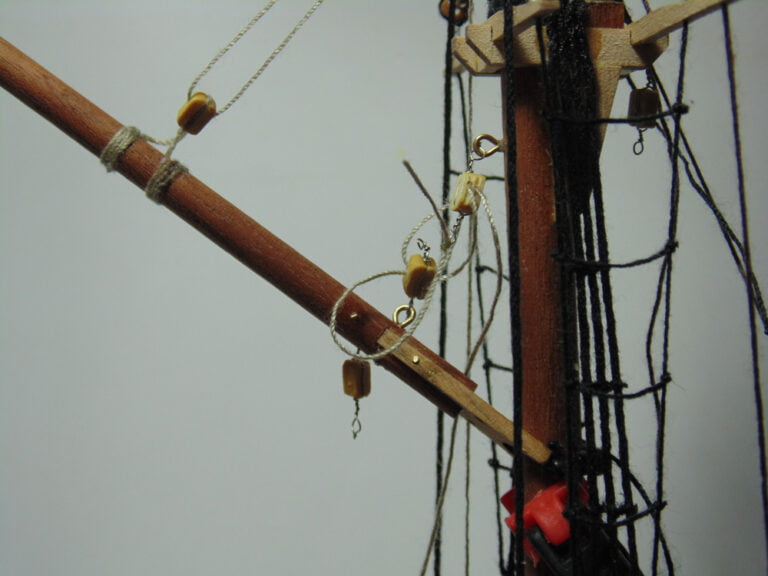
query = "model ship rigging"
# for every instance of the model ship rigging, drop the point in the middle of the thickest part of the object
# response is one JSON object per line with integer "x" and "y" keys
{"x": 199, "y": 218}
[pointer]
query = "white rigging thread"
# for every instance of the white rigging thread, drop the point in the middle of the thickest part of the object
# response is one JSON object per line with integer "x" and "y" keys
{"x": 472, "y": 352}
{"x": 449, "y": 242}
{"x": 266, "y": 63}
{"x": 170, "y": 169}
{"x": 445, "y": 255}
{"x": 442, "y": 274}
{"x": 243, "y": 31}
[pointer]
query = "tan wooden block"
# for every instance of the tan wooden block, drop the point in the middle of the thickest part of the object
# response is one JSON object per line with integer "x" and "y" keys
{"x": 667, "y": 19}
{"x": 464, "y": 199}
{"x": 418, "y": 276}
{"x": 196, "y": 113}
{"x": 356, "y": 375}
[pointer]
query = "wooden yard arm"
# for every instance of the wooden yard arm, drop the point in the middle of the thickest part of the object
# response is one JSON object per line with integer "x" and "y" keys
{"x": 245, "y": 239}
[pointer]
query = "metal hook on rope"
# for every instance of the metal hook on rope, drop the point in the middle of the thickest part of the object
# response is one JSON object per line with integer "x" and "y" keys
{"x": 410, "y": 312}
{"x": 639, "y": 146}
{"x": 496, "y": 145}
{"x": 357, "y": 426}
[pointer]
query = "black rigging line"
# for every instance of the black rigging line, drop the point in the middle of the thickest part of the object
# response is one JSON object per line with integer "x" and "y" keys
{"x": 748, "y": 268}
{"x": 665, "y": 291}
{"x": 592, "y": 299}
{"x": 736, "y": 246}
{"x": 593, "y": 266}
{"x": 699, "y": 183}
{"x": 488, "y": 365}
{"x": 587, "y": 265}
{"x": 588, "y": 308}
{"x": 443, "y": 333}
{"x": 517, "y": 553}
{"x": 486, "y": 268}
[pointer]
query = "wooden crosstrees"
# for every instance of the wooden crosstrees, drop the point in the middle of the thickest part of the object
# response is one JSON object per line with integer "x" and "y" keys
{"x": 611, "y": 49}
{"x": 612, "y": 55}
{"x": 481, "y": 50}
{"x": 667, "y": 19}
{"x": 615, "y": 50}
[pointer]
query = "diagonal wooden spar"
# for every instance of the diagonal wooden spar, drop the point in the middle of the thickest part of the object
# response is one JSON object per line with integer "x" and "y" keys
{"x": 245, "y": 239}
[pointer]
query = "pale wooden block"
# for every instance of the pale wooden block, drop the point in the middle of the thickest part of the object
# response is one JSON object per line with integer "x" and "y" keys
{"x": 612, "y": 47}
{"x": 667, "y": 19}
{"x": 196, "y": 113}
{"x": 468, "y": 186}
{"x": 608, "y": 46}
{"x": 524, "y": 17}
{"x": 480, "y": 39}
{"x": 527, "y": 50}
{"x": 607, "y": 82}
{"x": 356, "y": 376}
{"x": 418, "y": 276}
{"x": 482, "y": 51}
{"x": 496, "y": 22}
{"x": 471, "y": 60}
{"x": 526, "y": 14}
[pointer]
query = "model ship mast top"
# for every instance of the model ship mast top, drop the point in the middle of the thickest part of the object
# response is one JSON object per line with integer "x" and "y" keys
{"x": 543, "y": 327}
{"x": 615, "y": 51}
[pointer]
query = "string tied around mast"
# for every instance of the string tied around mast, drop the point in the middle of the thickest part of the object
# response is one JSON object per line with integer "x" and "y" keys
{"x": 117, "y": 146}
{"x": 168, "y": 170}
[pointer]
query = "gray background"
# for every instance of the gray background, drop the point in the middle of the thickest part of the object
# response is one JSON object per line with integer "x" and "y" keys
{"x": 165, "y": 411}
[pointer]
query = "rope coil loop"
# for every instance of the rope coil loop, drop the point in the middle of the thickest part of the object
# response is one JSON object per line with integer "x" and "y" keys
{"x": 163, "y": 177}
{"x": 116, "y": 147}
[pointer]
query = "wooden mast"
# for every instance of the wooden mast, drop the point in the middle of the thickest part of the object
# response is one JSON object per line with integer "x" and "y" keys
{"x": 542, "y": 325}
{"x": 524, "y": 77}
{"x": 540, "y": 299}
{"x": 614, "y": 50}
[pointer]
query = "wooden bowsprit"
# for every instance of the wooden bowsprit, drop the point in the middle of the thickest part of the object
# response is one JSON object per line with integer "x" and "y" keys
{"x": 245, "y": 239}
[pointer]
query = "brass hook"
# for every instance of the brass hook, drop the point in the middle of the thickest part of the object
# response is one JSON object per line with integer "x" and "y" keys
{"x": 481, "y": 152}
{"x": 408, "y": 319}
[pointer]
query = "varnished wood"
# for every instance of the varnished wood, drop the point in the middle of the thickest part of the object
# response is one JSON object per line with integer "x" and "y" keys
{"x": 226, "y": 225}
{"x": 473, "y": 408}
{"x": 540, "y": 295}
{"x": 539, "y": 301}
